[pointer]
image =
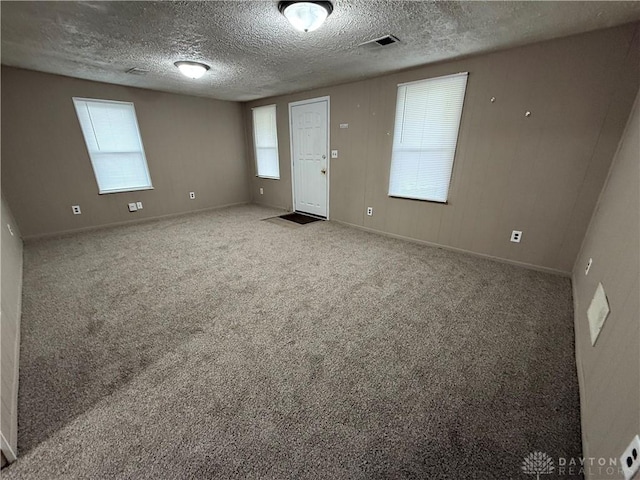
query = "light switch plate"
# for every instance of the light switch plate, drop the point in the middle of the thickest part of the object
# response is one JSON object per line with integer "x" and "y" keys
{"x": 597, "y": 312}
{"x": 133, "y": 207}
{"x": 139, "y": 205}
{"x": 344, "y": 125}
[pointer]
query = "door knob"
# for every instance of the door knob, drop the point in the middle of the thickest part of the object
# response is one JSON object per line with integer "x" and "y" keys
{"x": 324, "y": 157}
{"x": 324, "y": 171}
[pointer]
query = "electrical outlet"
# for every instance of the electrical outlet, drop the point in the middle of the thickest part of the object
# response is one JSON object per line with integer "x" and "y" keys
{"x": 139, "y": 205}
{"x": 133, "y": 207}
{"x": 261, "y": 191}
{"x": 370, "y": 211}
{"x": 630, "y": 459}
{"x": 516, "y": 236}
{"x": 334, "y": 153}
{"x": 192, "y": 195}
{"x": 76, "y": 209}
{"x": 588, "y": 267}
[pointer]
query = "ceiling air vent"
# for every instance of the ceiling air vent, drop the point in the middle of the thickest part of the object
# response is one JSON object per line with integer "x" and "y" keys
{"x": 137, "y": 71}
{"x": 381, "y": 42}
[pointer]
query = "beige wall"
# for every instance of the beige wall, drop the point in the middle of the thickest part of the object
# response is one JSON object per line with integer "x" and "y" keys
{"x": 609, "y": 371}
{"x": 191, "y": 144}
{"x": 541, "y": 174}
{"x": 11, "y": 292}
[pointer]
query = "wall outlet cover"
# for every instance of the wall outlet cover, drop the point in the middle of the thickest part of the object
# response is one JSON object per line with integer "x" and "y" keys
{"x": 192, "y": 195}
{"x": 630, "y": 459}
{"x": 588, "y": 267}
{"x": 334, "y": 153}
{"x": 139, "y": 205}
{"x": 516, "y": 236}
{"x": 76, "y": 209}
{"x": 370, "y": 211}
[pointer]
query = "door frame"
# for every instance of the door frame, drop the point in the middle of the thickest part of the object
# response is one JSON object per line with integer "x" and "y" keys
{"x": 293, "y": 178}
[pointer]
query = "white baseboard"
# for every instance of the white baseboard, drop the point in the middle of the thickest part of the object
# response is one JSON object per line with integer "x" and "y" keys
{"x": 9, "y": 454}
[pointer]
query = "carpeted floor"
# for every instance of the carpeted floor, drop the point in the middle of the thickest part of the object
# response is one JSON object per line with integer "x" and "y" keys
{"x": 216, "y": 345}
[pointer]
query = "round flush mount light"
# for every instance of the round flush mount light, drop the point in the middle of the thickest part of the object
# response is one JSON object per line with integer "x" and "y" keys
{"x": 306, "y": 16}
{"x": 192, "y": 69}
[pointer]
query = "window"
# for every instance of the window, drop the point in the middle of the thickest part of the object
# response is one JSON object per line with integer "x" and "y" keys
{"x": 265, "y": 139}
{"x": 424, "y": 140}
{"x": 113, "y": 140}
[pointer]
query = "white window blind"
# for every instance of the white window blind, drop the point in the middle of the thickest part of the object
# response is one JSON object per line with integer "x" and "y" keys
{"x": 265, "y": 138}
{"x": 115, "y": 148}
{"x": 424, "y": 141}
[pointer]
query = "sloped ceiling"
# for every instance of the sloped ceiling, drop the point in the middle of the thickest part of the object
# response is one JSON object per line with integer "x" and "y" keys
{"x": 254, "y": 52}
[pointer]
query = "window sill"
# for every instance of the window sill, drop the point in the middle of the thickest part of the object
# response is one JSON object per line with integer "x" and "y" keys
{"x": 415, "y": 199}
{"x": 125, "y": 190}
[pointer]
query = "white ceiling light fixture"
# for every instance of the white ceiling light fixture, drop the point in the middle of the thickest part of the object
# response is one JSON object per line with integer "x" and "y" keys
{"x": 192, "y": 69}
{"x": 306, "y": 16}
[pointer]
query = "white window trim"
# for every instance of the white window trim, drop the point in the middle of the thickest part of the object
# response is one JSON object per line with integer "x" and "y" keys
{"x": 441, "y": 77}
{"x": 420, "y": 198}
{"x": 144, "y": 156}
{"x": 255, "y": 146}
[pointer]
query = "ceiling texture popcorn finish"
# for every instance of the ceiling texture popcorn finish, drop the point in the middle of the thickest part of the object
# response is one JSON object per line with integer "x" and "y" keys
{"x": 252, "y": 49}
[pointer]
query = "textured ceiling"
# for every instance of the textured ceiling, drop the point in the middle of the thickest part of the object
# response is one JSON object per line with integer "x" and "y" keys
{"x": 254, "y": 52}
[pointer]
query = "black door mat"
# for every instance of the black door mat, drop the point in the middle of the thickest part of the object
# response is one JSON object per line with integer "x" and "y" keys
{"x": 299, "y": 218}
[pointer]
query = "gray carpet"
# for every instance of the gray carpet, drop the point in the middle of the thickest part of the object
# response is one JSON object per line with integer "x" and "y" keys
{"x": 216, "y": 345}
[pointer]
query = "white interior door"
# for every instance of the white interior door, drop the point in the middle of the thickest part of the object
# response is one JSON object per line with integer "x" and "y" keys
{"x": 309, "y": 150}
